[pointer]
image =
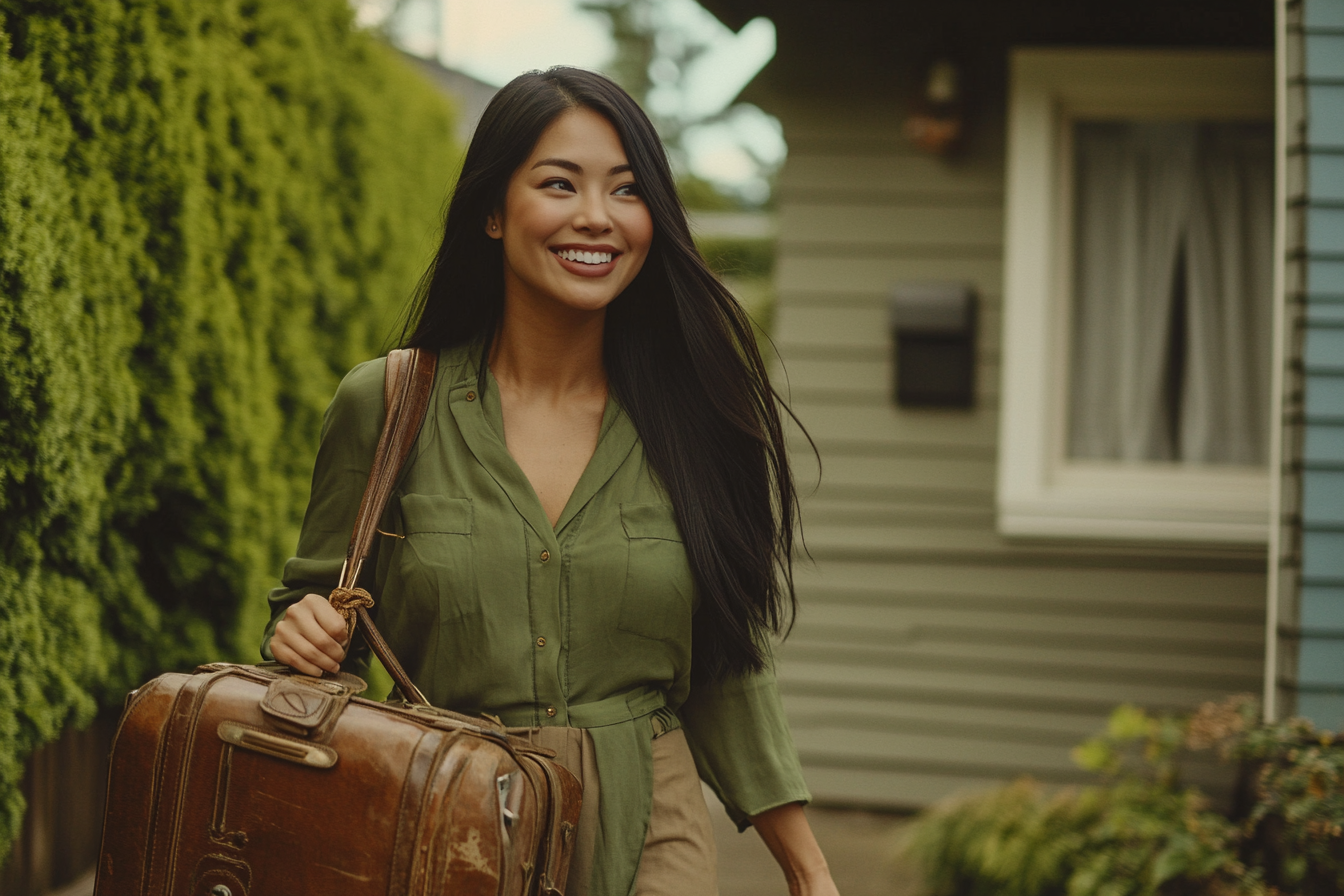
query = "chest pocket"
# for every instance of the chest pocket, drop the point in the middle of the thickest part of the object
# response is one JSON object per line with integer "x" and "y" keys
{"x": 659, "y": 595}
{"x": 437, "y": 564}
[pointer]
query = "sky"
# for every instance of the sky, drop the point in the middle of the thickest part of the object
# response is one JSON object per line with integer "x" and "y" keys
{"x": 498, "y": 39}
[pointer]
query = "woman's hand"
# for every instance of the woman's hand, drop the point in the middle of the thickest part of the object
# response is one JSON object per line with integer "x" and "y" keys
{"x": 310, "y": 637}
{"x": 788, "y": 835}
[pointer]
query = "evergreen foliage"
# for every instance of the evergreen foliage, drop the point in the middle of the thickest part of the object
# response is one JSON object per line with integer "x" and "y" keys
{"x": 209, "y": 211}
{"x": 739, "y": 256}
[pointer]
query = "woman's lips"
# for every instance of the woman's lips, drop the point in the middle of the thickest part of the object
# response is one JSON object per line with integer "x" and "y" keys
{"x": 585, "y": 268}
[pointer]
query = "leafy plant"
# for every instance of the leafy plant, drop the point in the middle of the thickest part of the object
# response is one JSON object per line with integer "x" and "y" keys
{"x": 1294, "y": 828}
{"x": 1141, "y": 832}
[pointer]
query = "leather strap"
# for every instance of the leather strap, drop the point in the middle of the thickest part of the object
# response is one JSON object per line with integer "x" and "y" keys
{"x": 406, "y": 388}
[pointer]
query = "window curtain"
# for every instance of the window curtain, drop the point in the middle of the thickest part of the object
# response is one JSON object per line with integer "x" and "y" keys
{"x": 1172, "y": 292}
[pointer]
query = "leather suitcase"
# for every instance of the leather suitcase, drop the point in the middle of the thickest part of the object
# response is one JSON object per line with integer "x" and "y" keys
{"x": 256, "y": 781}
{"x": 259, "y": 781}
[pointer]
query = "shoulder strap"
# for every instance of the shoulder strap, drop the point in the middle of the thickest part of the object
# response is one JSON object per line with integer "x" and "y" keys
{"x": 406, "y": 388}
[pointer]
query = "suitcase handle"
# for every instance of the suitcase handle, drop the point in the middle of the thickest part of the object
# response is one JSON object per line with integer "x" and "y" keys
{"x": 288, "y": 748}
{"x": 406, "y": 388}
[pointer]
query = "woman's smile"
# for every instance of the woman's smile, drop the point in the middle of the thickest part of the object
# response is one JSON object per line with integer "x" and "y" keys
{"x": 587, "y": 261}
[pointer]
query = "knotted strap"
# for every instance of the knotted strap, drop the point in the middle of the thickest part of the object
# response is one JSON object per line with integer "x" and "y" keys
{"x": 406, "y": 388}
{"x": 346, "y": 601}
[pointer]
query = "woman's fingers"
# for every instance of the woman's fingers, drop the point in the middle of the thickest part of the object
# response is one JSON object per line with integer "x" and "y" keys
{"x": 327, "y": 617}
{"x": 315, "y": 663}
{"x": 307, "y": 637}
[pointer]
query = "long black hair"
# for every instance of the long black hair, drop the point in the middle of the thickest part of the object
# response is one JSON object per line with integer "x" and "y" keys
{"x": 681, "y": 360}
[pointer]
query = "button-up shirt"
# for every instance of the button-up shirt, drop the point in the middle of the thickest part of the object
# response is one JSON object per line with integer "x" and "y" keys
{"x": 490, "y": 608}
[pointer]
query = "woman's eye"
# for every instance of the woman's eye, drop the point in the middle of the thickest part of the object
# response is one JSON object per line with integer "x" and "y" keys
{"x": 558, "y": 183}
{"x": 627, "y": 190}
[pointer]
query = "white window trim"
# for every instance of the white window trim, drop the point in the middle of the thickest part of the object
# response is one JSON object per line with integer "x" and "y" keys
{"x": 1040, "y": 491}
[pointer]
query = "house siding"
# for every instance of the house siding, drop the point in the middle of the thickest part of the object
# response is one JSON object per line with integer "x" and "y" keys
{"x": 930, "y": 654}
{"x": 1319, "y": 145}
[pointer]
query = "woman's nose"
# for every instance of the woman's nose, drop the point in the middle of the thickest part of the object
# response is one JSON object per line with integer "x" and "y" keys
{"x": 592, "y": 216}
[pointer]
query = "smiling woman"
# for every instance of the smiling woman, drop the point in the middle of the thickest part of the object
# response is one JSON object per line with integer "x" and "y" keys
{"x": 606, "y": 428}
{"x": 575, "y": 233}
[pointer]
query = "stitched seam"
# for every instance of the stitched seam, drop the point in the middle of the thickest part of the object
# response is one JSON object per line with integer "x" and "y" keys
{"x": 528, "y": 547}
{"x": 192, "y": 725}
{"x": 398, "y": 887}
{"x": 572, "y": 534}
{"x": 156, "y": 793}
{"x": 421, "y": 833}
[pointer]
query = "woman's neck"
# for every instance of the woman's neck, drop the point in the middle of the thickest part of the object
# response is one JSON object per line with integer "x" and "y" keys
{"x": 549, "y": 356}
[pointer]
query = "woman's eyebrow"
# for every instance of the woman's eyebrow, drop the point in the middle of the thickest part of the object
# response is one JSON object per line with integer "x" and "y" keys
{"x": 576, "y": 168}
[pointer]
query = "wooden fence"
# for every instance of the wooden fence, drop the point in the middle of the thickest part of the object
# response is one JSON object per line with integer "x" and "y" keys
{"x": 65, "y": 786}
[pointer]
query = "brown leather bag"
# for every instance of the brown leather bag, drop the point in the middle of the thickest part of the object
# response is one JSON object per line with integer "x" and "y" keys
{"x": 239, "y": 780}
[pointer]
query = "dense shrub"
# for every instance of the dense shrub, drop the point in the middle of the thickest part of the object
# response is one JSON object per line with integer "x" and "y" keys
{"x": 209, "y": 210}
{"x": 739, "y": 256}
{"x": 1142, "y": 833}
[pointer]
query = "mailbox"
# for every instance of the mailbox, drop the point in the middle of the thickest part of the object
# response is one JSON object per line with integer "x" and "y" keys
{"x": 933, "y": 328}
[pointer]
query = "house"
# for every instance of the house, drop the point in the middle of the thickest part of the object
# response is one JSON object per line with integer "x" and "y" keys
{"x": 1094, "y": 516}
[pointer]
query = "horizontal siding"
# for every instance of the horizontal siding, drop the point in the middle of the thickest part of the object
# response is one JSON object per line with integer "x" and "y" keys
{"x": 862, "y": 330}
{"x": 1320, "y": 666}
{"x": 843, "y": 279}
{"x": 1057, "y": 628}
{"x": 960, "y": 229}
{"x": 930, "y": 654}
{"x": 873, "y": 174}
{"x": 890, "y": 425}
{"x": 1165, "y": 594}
{"x": 867, "y": 378}
{"x": 951, "y": 475}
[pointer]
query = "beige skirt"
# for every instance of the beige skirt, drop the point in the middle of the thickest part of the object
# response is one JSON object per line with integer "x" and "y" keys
{"x": 679, "y": 857}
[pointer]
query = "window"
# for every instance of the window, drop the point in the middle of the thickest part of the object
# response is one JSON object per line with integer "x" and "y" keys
{"x": 1138, "y": 295}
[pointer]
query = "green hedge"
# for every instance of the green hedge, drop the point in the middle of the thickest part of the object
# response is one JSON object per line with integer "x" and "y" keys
{"x": 738, "y": 256}
{"x": 209, "y": 210}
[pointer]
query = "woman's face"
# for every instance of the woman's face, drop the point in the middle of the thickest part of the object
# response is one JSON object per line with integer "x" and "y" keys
{"x": 574, "y": 227}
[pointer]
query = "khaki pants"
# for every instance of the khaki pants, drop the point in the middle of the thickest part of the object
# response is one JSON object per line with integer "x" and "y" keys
{"x": 679, "y": 857}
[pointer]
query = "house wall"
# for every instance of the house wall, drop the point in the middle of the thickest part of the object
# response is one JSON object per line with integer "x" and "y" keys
{"x": 1319, "y": 200}
{"x": 931, "y": 654}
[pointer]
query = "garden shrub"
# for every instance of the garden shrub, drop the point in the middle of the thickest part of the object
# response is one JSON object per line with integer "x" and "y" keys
{"x": 209, "y": 211}
{"x": 739, "y": 256}
{"x": 1142, "y": 832}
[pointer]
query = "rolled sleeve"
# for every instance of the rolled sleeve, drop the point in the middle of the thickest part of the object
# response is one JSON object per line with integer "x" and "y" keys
{"x": 742, "y": 746}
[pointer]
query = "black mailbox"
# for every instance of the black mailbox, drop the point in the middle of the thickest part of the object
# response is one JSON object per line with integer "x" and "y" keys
{"x": 933, "y": 326}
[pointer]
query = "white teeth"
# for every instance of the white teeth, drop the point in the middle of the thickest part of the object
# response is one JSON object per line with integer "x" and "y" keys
{"x": 585, "y": 257}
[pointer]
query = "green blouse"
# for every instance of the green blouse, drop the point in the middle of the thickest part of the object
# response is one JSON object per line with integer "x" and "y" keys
{"x": 491, "y": 609}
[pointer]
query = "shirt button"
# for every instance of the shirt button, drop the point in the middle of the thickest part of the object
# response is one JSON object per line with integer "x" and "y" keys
{"x": 550, "y": 711}
{"x": 541, "y": 642}
{"x": 471, "y": 396}
{"x": 545, "y": 555}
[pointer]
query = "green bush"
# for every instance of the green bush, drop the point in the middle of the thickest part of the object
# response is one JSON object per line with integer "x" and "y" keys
{"x": 209, "y": 211}
{"x": 1142, "y": 832}
{"x": 738, "y": 256}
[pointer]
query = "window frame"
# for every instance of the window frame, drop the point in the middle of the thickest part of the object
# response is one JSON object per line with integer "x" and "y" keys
{"x": 1040, "y": 491}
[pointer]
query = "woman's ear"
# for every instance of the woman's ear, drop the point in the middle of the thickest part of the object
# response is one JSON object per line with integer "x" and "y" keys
{"x": 492, "y": 228}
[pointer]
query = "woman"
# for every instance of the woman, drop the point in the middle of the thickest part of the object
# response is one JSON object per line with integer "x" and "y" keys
{"x": 600, "y": 482}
